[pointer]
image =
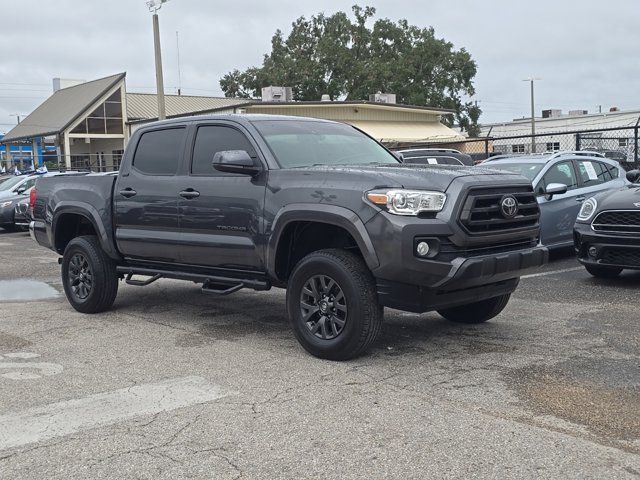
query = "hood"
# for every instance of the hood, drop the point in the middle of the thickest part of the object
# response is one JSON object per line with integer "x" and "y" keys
{"x": 432, "y": 177}
{"x": 627, "y": 198}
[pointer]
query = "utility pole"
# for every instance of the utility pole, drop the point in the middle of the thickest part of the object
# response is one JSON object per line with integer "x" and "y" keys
{"x": 531, "y": 80}
{"x": 154, "y": 6}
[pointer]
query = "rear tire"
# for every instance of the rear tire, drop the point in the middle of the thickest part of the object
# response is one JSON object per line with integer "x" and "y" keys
{"x": 89, "y": 275}
{"x": 333, "y": 306}
{"x": 477, "y": 312}
{"x": 603, "y": 272}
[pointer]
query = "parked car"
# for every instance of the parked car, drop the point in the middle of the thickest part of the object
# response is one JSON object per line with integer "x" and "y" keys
{"x": 413, "y": 154}
{"x": 607, "y": 230}
{"x": 16, "y": 190}
{"x": 22, "y": 213}
{"x": 426, "y": 160}
{"x": 562, "y": 181}
{"x": 313, "y": 206}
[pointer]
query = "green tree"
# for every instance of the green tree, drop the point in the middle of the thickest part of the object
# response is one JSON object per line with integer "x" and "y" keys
{"x": 346, "y": 59}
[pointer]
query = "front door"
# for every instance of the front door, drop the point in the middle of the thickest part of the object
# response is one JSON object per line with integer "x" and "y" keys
{"x": 220, "y": 213}
{"x": 146, "y": 197}
{"x": 558, "y": 214}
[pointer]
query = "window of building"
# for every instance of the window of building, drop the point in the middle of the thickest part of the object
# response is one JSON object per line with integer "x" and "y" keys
{"x": 106, "y": 119}
{"x": 553, "y": 146}
{"x": 212, "y": 139}
{"x": 159, "y": 152}
{"x": 517, "y": 148}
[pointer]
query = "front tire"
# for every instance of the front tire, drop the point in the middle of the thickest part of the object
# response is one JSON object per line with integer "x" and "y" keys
{"x": 89, "y": 275}
{"x": 332, "y": 305}
{"x": 603, "y": 272}
{"x": 477, "y": 312}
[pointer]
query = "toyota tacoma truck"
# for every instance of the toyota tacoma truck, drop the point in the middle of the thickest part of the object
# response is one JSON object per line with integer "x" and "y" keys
{"x": 313, "y": 206}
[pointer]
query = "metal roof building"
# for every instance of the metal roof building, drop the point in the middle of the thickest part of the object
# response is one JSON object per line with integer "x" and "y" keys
{"x": 91, "y": 122}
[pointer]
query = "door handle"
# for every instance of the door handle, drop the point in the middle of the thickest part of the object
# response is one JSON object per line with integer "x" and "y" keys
{"x": 580, "y": 198}
{"x": 189, "y": 193}
{"x": 127, "y": 192}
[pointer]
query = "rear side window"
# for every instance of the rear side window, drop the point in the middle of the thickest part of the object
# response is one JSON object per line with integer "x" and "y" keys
{"x": 593, "y": 173}
{"x": 212, "y": 139}
{"x": 159, "y": 152}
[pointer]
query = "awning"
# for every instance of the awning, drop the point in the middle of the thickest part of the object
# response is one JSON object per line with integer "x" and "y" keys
{"x": 408, "y": 131}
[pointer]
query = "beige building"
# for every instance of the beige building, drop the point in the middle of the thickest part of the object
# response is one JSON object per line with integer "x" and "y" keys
{"x": 90, "y": 122}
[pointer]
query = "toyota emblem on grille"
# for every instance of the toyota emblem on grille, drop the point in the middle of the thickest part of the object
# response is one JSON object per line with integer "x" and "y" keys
{"x": 509, "y": 206}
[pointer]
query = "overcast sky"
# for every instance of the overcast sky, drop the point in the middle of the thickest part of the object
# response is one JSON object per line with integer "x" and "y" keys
{"x": 586, "y": 52}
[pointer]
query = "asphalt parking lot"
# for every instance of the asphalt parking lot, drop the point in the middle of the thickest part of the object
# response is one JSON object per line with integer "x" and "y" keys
{"x": 175, "y": 384}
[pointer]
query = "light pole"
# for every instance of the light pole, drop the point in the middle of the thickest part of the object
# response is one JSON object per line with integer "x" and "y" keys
{"x": 531, "y": 80}
{"x": 154, "y": 6}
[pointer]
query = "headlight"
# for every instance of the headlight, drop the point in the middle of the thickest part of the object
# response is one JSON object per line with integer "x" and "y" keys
{"x": 587, "y": 210}
{"x": 407, "y": 202}
{"x": 6, "y": 204}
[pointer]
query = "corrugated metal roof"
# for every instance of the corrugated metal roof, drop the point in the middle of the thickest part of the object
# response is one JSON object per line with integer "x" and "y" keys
{"x": 145, "y": 105}
{"x": 61, "y": 109}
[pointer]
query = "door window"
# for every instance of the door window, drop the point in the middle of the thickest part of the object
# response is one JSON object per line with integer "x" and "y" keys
{"x": 211, "y": 139}
{"x": 159, "y": 152}
{"x": 563, "y": 173}
{"x": 592, "y": 172}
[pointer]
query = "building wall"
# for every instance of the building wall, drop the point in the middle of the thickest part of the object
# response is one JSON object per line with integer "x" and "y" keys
{"x": 345, "y": 113}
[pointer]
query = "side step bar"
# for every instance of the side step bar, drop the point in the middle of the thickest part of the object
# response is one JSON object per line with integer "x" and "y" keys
{"x": 210, "y": 284}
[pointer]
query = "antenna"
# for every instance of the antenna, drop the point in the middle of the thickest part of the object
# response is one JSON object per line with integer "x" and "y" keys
{"x": 179, "y": 73}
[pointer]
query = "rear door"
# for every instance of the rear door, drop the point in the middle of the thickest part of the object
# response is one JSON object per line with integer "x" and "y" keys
{"x": 220, "y": 213}
{"x": 146, "y": 197}
{"x": 558, "y": 214}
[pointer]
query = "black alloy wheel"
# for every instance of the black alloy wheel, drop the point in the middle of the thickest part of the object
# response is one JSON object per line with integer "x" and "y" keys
{"x": 323, "y": 307}
{"x": 80, "y": 276}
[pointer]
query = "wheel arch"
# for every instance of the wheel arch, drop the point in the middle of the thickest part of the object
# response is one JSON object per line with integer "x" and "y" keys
{"x": 332, "y": 215}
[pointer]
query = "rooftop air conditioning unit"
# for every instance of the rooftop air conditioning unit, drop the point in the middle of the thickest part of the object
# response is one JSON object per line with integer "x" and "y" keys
{"x": 383, "y": 98}
{"x": 277, "y": 94}
{"x": 551, "y": 113}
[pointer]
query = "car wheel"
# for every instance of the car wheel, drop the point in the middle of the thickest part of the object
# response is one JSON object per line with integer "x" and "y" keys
{"x": 332, "y": 305}
{"x": 476, "y": 312}
{"x": 88, "y": 275}
{"x": 603, "y": 272}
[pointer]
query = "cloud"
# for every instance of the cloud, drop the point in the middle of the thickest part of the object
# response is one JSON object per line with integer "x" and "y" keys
{"x": 585, "y": 53}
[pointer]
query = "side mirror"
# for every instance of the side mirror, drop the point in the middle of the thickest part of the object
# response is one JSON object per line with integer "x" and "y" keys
{"x": 21, "y": 190}
{"x": 236, "y": 161}
{"x": 633, "y": 176}
{"x": 554, "y": 189}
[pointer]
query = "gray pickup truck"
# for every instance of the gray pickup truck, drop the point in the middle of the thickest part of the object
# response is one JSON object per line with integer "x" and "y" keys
{"x": 313, "y": 206}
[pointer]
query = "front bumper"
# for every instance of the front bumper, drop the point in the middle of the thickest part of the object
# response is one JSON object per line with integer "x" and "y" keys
{"x": 611, "y": 249}
{"x": 454, "y": 274}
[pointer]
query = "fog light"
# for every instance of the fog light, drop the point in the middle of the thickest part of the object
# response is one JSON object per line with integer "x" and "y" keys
{"x": 593, "y": 252}
{"x": 423, "y": 249}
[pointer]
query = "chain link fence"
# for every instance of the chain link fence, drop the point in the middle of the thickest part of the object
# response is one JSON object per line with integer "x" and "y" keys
{"x": 620, "y": 144}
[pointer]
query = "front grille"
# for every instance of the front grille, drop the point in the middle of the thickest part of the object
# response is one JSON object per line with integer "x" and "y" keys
{"x": 449, "y": 251}
{"x": 482, "y": 214}
{"x": 626, "y": 221}
{"x": 629, "y": 257}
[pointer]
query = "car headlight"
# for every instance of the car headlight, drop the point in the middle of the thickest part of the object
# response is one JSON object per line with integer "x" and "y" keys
{"x": 6, "y": 204}
{"x": 587, "y": 210}
{"x": 407, "y": 202}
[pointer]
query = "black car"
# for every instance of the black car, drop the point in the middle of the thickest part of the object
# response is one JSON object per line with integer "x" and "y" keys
{"x": 607, "y": 231}
{"x": 449, "y": 156}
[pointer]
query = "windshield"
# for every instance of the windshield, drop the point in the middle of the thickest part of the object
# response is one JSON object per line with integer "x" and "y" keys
{"x": 305, "y": 143}
{"x": 529, "y": 170}
{"x": 10, "y": 183}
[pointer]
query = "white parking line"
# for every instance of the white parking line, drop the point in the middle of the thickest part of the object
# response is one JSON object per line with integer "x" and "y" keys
{"x": 64, "y": 418}
{"x": 553, "y": 272}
